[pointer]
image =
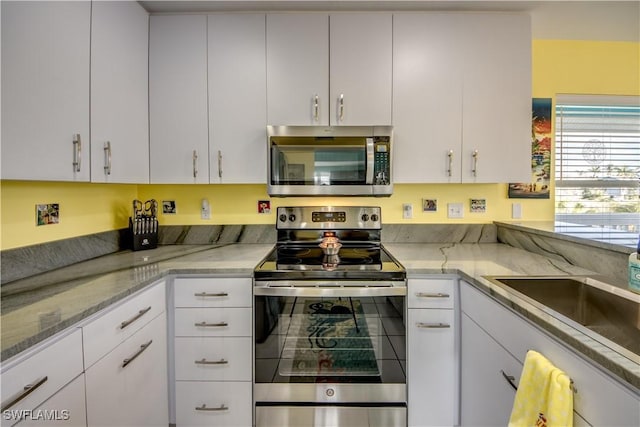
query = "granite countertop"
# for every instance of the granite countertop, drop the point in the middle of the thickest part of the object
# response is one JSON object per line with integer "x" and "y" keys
{"x": 34, "y": 309}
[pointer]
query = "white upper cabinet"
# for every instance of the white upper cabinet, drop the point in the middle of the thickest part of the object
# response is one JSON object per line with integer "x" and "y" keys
{"x": 496, "y": 107}
{"x": 360, "y": 69}
{"x": 237, "y": 98}
{"x": 178, "y": 116}
{"x": 462, "y": 97}
{"x": 45, "y": 90}
{"x": 119, "y": 92}
{"x": 298, "y": 69}
{"x": 329, "y": 70}
{"x": 427, "y": 97}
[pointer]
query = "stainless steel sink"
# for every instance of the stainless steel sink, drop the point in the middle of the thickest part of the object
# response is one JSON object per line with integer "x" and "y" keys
{"x": 613, "y": 313}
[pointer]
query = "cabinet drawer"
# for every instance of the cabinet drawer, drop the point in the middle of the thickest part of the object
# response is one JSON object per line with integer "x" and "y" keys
{"x": 54, "y": 366}
{"x": 212, "y": 292}
{"x": 65, "y": 408}
{"x": 107, "y": 331}
{"x": 225, "y": 404}
{"x": 213, "y": 322}
{"x": 430, "y": 293}
{"x": 600, "y": 399}
{"x": 213, "y": 358}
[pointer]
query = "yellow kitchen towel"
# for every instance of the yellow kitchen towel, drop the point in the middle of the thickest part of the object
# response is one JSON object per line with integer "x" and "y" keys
{"x": 544, "y": 397}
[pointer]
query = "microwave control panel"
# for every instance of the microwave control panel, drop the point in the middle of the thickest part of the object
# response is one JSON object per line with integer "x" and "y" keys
{"x": 381, "y": 160}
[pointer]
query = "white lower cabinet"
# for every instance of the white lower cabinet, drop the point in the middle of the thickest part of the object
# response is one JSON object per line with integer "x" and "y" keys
{"x": 45, "y": 370}
{"x": 65, "y": 408}
{"x": 213, "y": 351}
{"x": 432, "y": 360}
{"x": 128, "y": 387}
{"x": 496, "y": 339}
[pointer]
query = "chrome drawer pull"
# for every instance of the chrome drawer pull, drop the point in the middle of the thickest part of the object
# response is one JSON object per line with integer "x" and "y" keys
{"x": 26, "y": 391}
{"x": 212, "y": 325}
{"x": 205, "y": 294}
{"x": 204, "y": 408}
{"x": 211, "y": 362}
{"x": 134, "y": 318}
{"x": 433, "y": 325}
{"x": 77, "y": 152}
{"x": 432, "y": 295}
{"x": 510, "y": 379}
{"x": 143, "y": 347}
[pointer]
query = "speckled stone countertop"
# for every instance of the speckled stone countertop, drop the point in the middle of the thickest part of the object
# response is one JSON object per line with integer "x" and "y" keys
{"x": 473, "y": 261}
{"x": 35, "y": 308}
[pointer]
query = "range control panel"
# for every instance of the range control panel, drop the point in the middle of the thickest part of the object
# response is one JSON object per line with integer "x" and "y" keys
{"x": 329, "y": 217}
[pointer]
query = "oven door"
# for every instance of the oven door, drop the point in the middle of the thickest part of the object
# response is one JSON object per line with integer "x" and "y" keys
{"x": 330, "y": 344}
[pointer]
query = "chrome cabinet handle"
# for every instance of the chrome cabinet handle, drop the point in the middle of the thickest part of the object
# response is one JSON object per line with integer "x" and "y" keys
{"x": 316, "y": 108}
{"x": 204, "y": 407}
{"x": 433, "y": 325}
{"x": 143, "y": 347}
{"x": 450, "y": 155}
{"x": 205, "y": 294}
{"x": 204, "y": 361}
{"x": 107, "y": 158}
{"x": 510, "y": 379}
{"x": 195, "y": 163}
{"x": 134, "y": 318}
{"x": 475, "y": 163}
{"x": 432, "y": 295}
{"x": 341, "y": 107}
{"x": 219, "y": 163}
{"x": 26, "y": 391}
{"x": 211, "y": 325}
{"x": 77, "y": 152}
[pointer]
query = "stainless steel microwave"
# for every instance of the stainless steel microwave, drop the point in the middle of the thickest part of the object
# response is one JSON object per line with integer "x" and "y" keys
{"x": 329, "y": 160}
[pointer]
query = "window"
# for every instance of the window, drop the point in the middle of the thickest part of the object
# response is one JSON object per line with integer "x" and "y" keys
{"x": 597, "y": 166}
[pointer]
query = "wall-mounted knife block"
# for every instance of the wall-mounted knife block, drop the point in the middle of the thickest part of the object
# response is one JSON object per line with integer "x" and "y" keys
{"x": 144, "y": 232}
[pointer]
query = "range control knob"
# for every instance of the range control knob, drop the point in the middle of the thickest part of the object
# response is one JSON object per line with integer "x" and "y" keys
{"x": 365, "y": 217}
{"x": 374, "y": 218}
{"x": 283, "y": 217}
{"x": 292, "y": 217}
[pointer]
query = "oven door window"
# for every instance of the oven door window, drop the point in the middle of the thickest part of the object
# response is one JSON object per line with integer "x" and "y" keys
{"x": 314, "y": 161}
{"x": 336, "y": 340}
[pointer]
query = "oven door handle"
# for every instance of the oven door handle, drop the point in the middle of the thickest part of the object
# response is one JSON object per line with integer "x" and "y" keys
{"x": 330, "y": 291}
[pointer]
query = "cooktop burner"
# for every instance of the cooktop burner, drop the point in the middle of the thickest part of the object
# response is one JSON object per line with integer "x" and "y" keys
{"x": 351, "y": 263}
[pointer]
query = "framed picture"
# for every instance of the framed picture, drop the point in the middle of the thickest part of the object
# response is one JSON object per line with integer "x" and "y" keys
{"x": 429, "y": 205}
{"x": 541, "y": 135}
{"x": 478, "y": 205}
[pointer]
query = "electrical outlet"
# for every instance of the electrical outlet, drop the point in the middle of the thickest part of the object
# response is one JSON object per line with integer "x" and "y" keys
{"x": 454, "y": 210}
{"x": 407, "y": 211}
{"x": 205, "y": 209}
{"x": 516, "y": 210}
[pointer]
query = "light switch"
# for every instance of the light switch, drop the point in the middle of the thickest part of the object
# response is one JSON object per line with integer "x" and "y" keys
{"x": 205, "y": 209}
{"x": 516, "y": 210}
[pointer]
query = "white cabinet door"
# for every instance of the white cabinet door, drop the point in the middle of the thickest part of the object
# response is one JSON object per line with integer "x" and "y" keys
{"x": 462, "y": 97}
{"x": 485, "y": 394}
{"x": 128, "y": 387}
{"x": 237, "y": 98}
{"x": 119, "y": 92}
{"x": 178, "y": 118}
{"x": 45, "y": 90}
{"x": 496, "y": 106}
{"x": 427, "y": 97}
{"x": 432, "y": 368}
{"x": 360, "y": 69}
{"x": 65, "y": 408}
{"x": 298, "y": 69}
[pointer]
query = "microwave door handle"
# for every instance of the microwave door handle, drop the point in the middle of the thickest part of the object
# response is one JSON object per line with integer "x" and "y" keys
{"x": 370, "y": 161}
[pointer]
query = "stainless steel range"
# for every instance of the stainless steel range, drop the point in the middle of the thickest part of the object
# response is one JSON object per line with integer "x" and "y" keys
{"x": 330, "y": 340}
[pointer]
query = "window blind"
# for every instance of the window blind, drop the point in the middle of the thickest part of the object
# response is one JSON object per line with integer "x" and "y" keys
{"x": 597, "y": 162}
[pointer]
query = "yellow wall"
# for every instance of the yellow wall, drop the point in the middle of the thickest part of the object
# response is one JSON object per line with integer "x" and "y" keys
{"x": 559, "y": 66}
